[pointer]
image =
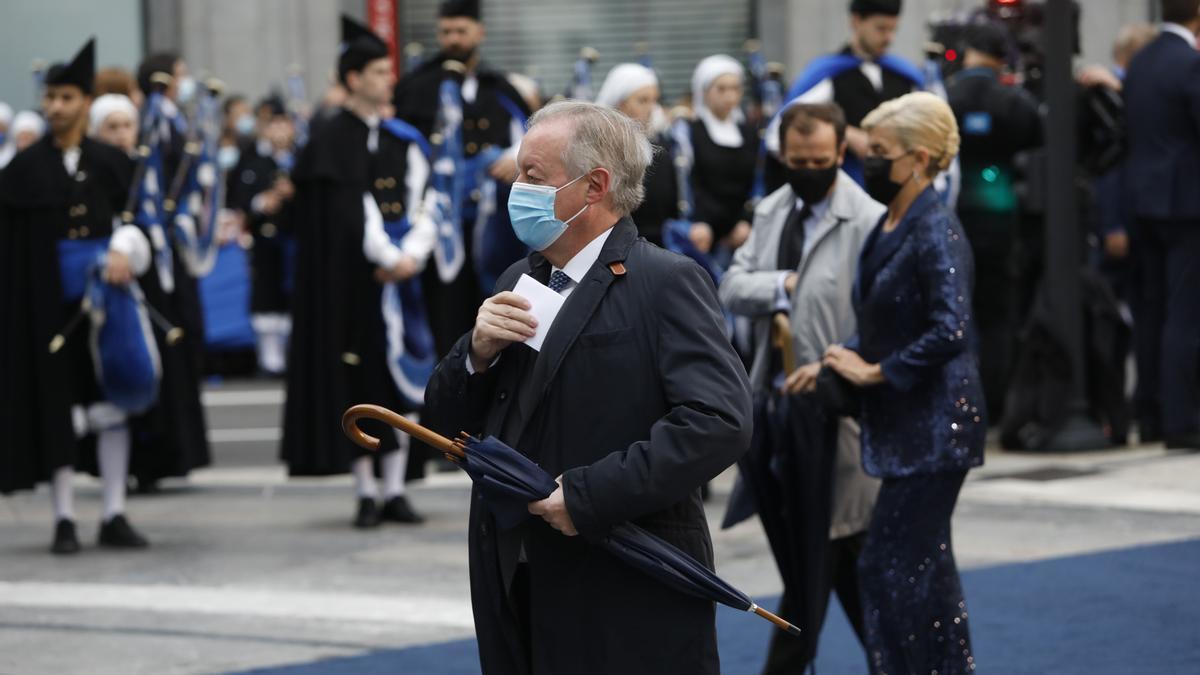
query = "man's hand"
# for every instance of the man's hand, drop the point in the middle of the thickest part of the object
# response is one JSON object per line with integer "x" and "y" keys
{"x": 502, "y": 320}
{"x": 1116, "y": 245}
{"x": 268, "y": 202}
{"x": 802, "y": 379}
{"x": 738, "y": 235}
{"x": 505, "y": 168}
{"x": 701, "y": 235}
{"x": 851, "y": 366}
{"x": 283, "y": 188}
{"x": 117, "y": 270}
{"x": 790, "y": 282}
{"x": 403, "y": 270}
{"x": 553, "y": 510}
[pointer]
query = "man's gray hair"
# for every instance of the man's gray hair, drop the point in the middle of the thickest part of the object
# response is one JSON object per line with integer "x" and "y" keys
{"x": 601, "y": 137}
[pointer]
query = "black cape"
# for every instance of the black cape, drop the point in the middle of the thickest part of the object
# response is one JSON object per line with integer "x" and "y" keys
{"x": 40, "y": 204}
{"x": 337, "y": 353}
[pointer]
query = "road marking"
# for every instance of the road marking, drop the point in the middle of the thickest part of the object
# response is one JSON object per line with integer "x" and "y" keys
{"x": 249, "y": 435}
{"x": 243, "y": 397}
{"x": 240, "y": 601}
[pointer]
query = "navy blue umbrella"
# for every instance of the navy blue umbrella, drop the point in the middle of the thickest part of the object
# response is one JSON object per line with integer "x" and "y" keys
{"x": 509, "y": 481}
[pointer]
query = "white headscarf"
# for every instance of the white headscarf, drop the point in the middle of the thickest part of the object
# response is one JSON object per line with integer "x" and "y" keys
{"x": 106, "y": 105}
{"x": 27, "y": 120}
{"x": 723, "y": 132}
{"x": 6, "y": 113}
{"x": 622, "y": 81}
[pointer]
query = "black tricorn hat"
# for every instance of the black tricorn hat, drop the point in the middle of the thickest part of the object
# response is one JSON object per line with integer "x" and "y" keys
{"x": 869, "y": 7}
{"x": 360, "y": 46}
{"x": 80, "y": 71}
{"x": 455, "y": 8}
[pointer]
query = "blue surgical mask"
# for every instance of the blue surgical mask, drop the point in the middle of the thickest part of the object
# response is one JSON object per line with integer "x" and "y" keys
{"x": 227, "y": 157}
{"x": 531, "y": 210}
{"x": 244, "y": 125}
{"x": 187, "y": 89}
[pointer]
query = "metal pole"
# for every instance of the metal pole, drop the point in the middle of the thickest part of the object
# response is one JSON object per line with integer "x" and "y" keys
{"x": 1063, "y": 259}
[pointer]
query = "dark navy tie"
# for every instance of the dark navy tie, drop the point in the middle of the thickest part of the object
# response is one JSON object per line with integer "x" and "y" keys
{"x": 558, "y": 281}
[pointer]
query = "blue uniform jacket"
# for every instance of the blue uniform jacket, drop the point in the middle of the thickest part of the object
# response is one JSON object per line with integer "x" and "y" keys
{"x": 912, "y": 299}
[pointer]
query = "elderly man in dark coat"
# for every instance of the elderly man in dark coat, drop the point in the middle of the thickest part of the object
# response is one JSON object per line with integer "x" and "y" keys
{"x": 635, "y": 399}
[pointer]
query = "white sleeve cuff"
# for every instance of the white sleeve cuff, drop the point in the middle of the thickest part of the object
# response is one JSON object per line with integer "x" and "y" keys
{"x": 782, "y": 302}
{"x": 129, "y": 241}
{"x": 377, "y": 246}
{"x": 471, "y": 368}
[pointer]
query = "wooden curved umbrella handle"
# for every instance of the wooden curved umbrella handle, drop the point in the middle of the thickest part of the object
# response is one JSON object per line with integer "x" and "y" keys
{"x": 375, "y": 412}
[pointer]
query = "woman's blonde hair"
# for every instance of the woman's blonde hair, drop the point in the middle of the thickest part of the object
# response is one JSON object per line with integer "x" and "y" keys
{"x": 920, "y": 120}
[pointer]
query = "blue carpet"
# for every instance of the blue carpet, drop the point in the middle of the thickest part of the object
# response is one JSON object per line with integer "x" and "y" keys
{"x": 1129, "y": 611}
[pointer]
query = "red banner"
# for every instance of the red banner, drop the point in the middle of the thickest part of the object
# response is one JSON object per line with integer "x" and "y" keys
{"x": 381, "y": 18}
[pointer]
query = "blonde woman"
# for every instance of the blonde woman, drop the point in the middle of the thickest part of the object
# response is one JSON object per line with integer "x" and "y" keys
{"x": 923, "y": 415}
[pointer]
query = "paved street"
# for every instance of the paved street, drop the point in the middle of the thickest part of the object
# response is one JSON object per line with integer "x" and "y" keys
{"x": 1082, "y": 563}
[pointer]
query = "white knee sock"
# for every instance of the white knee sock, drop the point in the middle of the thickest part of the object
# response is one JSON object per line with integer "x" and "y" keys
{"x": 395, "y": 464}
{"x": 62, "y": 491}
{"x": 113, "y": 454}
{"x": 364, "y": 478}
{"x": 272, "y": 330}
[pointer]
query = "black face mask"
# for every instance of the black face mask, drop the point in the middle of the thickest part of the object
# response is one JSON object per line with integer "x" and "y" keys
{"x": 877, "y": 179}
{"x": 811, "y": 185}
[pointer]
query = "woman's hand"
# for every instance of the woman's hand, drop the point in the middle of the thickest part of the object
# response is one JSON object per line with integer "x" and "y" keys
{"x": 851, "y": 366}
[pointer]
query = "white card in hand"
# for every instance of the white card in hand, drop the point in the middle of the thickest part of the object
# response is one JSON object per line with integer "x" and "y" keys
{"x": 546, "y": 304}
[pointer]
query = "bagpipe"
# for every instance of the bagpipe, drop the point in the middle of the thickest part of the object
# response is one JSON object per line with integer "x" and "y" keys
{"x": 124, "y": 353}
{"x": 580, "y": 87}
{"x": 193, "y": 204}
{"x": 145, "y": 205}
{"x": 411, "y": 354}
{"x": 453, "y": 178}
{"x": 297, "y": 104}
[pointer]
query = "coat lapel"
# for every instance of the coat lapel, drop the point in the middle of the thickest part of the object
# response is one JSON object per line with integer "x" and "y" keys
{"x": 575, "y": 314}
{"x": 880, "y": 248}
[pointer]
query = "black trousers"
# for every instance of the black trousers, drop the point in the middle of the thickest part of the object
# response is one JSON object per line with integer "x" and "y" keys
{"x": 1166, "y": 309}
{"x": 789, "y": 655}
{"x": 913, "y": 606}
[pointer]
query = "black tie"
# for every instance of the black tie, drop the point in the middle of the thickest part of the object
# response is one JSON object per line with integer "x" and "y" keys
{"x": 791, "y": 244}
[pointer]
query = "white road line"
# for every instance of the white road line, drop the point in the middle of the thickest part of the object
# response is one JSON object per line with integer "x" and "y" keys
{"x": 248, "y": 435}
{"x": 240, "y": 601}
{"x": 1099, "y": 492}
{"x": 245, "y": 397}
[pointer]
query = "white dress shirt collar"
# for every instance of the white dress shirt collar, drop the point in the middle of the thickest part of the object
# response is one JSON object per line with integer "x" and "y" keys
{"x": 577, "y": 267}
{"x": 1182, "y": 32}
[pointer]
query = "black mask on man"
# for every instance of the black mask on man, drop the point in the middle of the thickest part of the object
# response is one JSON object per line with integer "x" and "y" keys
{"x": 811, "y": 185}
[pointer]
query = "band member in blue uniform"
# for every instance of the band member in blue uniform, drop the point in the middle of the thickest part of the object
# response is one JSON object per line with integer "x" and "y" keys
{"x": 473, "y": 250}
{"x": 360, "y": 236}
{"x": 261, "y": 188}
{"x": 58, "y": 199}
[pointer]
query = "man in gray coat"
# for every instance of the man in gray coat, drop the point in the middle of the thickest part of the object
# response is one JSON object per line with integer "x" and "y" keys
{"x": 801, "y": 259}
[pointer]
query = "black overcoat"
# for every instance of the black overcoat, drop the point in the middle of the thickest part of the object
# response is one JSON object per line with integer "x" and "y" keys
{"x": 637, "y": 398}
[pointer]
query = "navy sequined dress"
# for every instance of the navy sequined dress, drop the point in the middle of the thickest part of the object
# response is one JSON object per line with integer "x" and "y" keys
{"x": 922, "y": 429}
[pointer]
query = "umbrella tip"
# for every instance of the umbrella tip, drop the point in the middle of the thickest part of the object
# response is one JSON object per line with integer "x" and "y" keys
{"x": 793, "y": 630}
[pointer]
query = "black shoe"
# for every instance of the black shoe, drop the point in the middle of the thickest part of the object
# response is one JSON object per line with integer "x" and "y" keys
{"x": 368, "y": 514}
{"x": 65, "y": 540}
{"x": 116, "y": 532}
{"x": 1184, "y": 442}
{"x": 398, "y": 510}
